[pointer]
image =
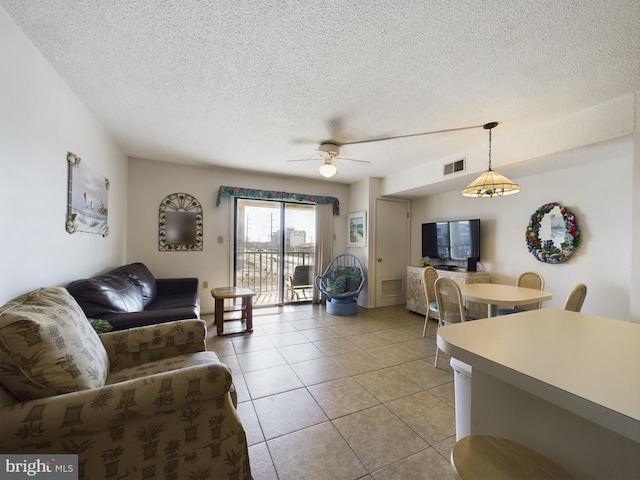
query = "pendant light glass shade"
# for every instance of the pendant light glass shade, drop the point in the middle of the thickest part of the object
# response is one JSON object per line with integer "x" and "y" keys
{"x": 490, "y": 183}
{"x": 328, "y": 169}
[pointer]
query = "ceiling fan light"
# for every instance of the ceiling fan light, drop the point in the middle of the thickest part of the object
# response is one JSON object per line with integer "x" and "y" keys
{"x": 328, "y": 169}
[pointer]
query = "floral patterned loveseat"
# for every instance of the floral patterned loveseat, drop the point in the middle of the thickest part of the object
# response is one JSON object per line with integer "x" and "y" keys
{"x": 148, "y": 402}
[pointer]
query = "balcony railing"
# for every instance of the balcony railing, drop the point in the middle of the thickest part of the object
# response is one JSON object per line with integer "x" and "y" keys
{"x": 263, "y": 271}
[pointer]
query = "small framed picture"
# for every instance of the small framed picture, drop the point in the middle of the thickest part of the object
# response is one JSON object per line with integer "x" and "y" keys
{"x": 87, "y": 191}
{"x": 357, "y": 229}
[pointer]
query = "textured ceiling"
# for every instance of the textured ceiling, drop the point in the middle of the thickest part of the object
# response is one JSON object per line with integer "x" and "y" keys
{"x": 251, "y": 84}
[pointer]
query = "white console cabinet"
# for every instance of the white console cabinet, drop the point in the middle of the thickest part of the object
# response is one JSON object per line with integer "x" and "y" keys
{"x": 416, "y": 299}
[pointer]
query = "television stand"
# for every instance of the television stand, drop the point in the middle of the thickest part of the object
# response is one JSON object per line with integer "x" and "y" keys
{"x": 417, "y": 301}
{"x": 446, "y": 267}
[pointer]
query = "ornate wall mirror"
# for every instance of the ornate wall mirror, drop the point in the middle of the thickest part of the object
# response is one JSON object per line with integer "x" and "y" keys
{"x": 180, "y": 223}
{"x": 553, "y": 233}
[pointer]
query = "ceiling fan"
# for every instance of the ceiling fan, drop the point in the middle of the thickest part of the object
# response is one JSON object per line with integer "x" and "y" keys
{"x": 329, "y": 151}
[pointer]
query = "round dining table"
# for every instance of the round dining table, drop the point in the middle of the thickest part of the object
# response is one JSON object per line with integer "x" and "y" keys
{"x": 495, "y": 294}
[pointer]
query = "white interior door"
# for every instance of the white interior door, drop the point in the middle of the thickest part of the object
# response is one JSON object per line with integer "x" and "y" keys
{"x": 392, "y": 251}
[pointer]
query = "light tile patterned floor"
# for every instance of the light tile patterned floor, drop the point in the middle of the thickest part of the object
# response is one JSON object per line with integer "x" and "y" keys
{"x": 341, "y": 397}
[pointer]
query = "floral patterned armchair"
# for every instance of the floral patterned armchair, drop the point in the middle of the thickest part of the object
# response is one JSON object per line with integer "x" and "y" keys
{"x": 147, "y": 402}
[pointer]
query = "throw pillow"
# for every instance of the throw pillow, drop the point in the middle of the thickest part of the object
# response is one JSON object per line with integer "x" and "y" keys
{"x": 47, "y": 346}
{"x": 353, "y": 278}
{"x": 336, "y": 283}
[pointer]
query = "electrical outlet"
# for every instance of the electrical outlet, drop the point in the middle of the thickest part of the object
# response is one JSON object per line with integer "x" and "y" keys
{"x": 205, "y": 284}
{"x": 220, "y": 239}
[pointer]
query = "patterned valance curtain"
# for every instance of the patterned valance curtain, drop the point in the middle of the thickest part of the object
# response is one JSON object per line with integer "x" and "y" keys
{"x": 225, "y": 191}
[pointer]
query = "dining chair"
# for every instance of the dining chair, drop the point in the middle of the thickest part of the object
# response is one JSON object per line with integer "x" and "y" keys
{"x": 451, "y": 307}
{"x": 527, "y": 280}
{"x": 429, "y": 277}
{"x": 576, "y": 298}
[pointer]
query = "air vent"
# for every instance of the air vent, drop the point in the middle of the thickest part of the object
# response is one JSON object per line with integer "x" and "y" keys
{"x": 454, "y": 167}
{"x": 391, "y": 288}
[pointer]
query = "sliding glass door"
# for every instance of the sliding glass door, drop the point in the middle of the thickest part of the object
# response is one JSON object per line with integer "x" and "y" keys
{"x": 274, "y": 250}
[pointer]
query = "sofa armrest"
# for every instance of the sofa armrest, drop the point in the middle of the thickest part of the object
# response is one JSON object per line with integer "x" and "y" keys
{"x": 39, "y": 421}
{"x": 171, "y": 286}
{"x": 127, "y": 348}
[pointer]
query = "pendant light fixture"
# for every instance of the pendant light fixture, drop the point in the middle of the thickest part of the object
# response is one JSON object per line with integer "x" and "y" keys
{"x": 490, "y": 183}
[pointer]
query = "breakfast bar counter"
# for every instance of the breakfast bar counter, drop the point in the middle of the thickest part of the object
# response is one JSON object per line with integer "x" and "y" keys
{"x": 566, "y": 384}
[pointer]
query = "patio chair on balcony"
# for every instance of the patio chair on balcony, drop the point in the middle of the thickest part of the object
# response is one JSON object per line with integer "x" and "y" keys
{"x": 341, "y": 284}
{"x": 300, "y": 283}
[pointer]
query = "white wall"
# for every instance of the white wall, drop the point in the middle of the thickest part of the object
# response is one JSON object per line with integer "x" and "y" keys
{"x": 360, "y": 201}
{"x": 600, "y": 195}
{"x": 40, "y": 121}
{"x": 151, "y": 181}
{"x": 635, "y": 256}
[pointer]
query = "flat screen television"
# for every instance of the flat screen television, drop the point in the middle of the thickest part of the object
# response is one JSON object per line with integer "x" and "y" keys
{"x": 435, "y": 240}
{"x": 464, "y": 239}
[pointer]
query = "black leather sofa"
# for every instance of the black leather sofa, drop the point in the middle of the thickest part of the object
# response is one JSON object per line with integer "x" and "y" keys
{"x": 130, "y": 296}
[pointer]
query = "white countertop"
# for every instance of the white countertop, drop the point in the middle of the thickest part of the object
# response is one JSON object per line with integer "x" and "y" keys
{"x": 585, "y": 364}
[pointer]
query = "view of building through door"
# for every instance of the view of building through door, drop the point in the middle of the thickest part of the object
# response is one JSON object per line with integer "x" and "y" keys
{"x": 274, "y": 250}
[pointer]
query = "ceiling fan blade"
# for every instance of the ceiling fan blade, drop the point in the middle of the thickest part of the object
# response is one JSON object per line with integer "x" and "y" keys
{"x": 334, "y": 129}
{"x": 315, "y": 156}
{"x": 381, "y": 139}
{"x": 305, "y": 141}
{"x": 342, "y": 159}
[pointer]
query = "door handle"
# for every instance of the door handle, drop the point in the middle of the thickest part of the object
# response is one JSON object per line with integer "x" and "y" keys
{"x": 379, "y": 259}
